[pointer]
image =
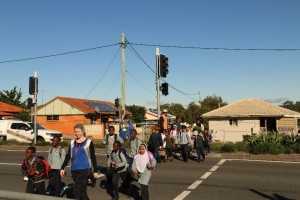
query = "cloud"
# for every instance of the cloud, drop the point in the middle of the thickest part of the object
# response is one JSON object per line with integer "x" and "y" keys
{"x": 277, "y": 100}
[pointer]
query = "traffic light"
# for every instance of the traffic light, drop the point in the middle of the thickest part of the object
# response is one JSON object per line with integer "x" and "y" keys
{"x": 163, "y": 65}
{"x": 29, "y": 102}
{"x": 117, "y": 103}
{"x": 33, "y": 85}
{"x": 165, "y": 89}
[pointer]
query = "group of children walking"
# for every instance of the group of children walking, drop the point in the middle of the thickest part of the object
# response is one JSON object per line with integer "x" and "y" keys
{"x": 35, "y": 171}
{"x": 139, "y": 161}
{"x": 179, "y": 142}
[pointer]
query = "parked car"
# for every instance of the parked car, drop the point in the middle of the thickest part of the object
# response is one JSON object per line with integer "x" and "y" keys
{"x": 42, "y": 130}
{"x": 23, "y": 131}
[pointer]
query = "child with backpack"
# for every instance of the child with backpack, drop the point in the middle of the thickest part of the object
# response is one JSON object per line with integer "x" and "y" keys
{"x": 109, "y": 140}
{"x": 117, "y": 165}
{"x": 56, "y": 157}
{"x": 142, "y": 165}
{"x": 35, "y": 172}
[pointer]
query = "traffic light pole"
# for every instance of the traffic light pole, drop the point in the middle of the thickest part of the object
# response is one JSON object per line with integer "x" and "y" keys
{"x": 157, "y": 83}
{"x": 35, "y": 106}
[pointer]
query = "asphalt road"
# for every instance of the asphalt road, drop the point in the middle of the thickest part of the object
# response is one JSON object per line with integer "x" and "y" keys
{"x": 215, "y": 178}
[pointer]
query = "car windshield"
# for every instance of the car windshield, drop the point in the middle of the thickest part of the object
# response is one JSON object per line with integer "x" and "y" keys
{"x": 38, "y": 126}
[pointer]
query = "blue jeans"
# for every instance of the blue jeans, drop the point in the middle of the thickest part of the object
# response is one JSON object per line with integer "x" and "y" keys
{"x": 200, "y": 152}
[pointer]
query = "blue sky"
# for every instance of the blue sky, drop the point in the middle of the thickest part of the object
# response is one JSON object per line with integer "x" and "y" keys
{"x": 40, "y": 28}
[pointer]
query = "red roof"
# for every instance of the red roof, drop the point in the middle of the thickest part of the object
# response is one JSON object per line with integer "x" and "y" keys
{"x": 8, "y": 110}
{"x": 81, "y": 105}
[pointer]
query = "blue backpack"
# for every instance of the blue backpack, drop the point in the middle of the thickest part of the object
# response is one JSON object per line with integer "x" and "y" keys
{"x": 123, "y": 150}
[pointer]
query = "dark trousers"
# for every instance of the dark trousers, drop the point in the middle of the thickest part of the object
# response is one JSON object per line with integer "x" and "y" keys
{"x": 35, "y": 188}
{"x": 144, "y": 192}
{"x": 80, "y": 184}
{"x": 184, "y": 151}
{"x": 115, "y": 181}
{"x": 208, "y": 147}
{"x": 55, "y": 183}
{"x": 169, "y": 152}
{"x": 200, "y": 152}
{"x": 156, "y": 154}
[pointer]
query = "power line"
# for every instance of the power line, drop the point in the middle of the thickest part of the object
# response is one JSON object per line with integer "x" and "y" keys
{"x": 58, "y": 54}
{"x": 137, "y": 54}
{"x": 113, "y": 83}
{"x": 212, "y": 48}
{"x": 140, "y": 83}
{"x": 98, "y": 82}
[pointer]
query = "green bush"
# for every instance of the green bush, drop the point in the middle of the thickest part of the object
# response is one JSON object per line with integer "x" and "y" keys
{"x": 242, "y": 146}
{"x": 216, "y": 146}
{"x": 228, "y": 148}
{"x": 99, "y": 145}
{"x": 276, "y": 149}
{"x": 4, "y": 142}
{"x": 65, "y": 143}
{"x": 42, "y": 143}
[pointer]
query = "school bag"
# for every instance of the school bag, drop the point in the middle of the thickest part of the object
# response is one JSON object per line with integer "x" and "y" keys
{"x": 114, "y": 135}
{"x": 123, "y": 150}
{"x": 60, "y": 150}
{"x": 47, "y": 174}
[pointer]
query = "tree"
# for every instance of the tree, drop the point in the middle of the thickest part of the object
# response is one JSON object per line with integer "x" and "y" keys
{"x": 175, "y": 109}
{"x": 192, "y": 112}
{"x": 291, "y": 105}
{"x": 138, "y": 113}
{"x": 211, "y": 103}
{"x": 23, "y": 115}
{"x": 12, "y": 97}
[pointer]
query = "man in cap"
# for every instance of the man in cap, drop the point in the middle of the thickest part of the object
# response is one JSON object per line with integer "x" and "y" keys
{"x": 163, "y": 121}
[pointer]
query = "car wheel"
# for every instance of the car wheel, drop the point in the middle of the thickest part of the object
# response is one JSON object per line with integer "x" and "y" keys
{"x": 40, "y": 139}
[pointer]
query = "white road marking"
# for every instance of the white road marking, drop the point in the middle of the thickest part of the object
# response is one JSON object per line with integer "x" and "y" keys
{"x": 10, "y": 164}
{"x": 214, "y": 168}
{"x": 182, "y": 195}
{"x": 194, "y": 185}
{"x": 100, "y": 154}
{"x": 268, "y": 161}
{"x": 221, "y": 162}
{"x": 207, "y": 174}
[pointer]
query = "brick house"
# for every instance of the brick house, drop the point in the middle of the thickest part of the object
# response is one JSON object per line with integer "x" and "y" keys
{"x": 62, "y": 113}
{"x": 8, "y": 111}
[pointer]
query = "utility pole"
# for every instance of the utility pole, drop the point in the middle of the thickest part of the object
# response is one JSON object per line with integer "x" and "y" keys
{"x": 157, "y": 83}
{"x": 123, "y": 77}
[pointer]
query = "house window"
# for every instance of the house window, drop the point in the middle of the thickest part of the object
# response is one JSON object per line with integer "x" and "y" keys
{"x": 298, "y": 122}
{"x": 93, "y": 119}
{"x": 262, "y": 122}
{"x": 233, "y": 122}
{"x": 52, "y": 117}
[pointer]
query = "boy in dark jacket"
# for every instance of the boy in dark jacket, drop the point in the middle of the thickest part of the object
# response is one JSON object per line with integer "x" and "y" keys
{"x": 199, "y": 142}
{"x": 33, "y": 171}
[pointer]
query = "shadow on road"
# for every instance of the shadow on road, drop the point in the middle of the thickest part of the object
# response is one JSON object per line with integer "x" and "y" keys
{"x": 274, "y": 197}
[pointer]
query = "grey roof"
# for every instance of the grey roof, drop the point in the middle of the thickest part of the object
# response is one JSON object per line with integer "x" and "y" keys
{"x": 251, "y": 108}
{"x": 102, "y": 107}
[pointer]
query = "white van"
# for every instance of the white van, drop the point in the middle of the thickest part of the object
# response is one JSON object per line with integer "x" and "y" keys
{"x": 23, "y": 131}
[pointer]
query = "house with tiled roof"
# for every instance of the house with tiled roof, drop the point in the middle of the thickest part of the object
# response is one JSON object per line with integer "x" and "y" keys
{"x": 63, "y": 113}
{"x": 7, "y": 111}
{"x": 151, "y": 118}
{"x": 250, "y": 116}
